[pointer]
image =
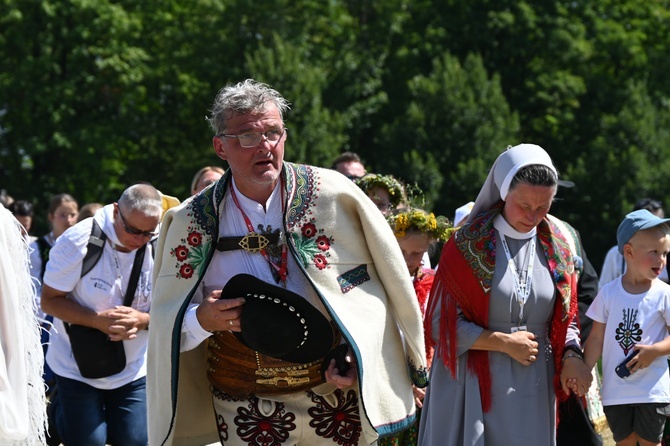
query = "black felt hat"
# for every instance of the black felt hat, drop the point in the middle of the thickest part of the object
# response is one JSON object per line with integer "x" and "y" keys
{"x": 279, "y": 323}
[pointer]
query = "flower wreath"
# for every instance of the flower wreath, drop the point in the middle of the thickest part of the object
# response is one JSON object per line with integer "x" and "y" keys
{"x": 439, "y": 228}
{"x": 394, "y": 187}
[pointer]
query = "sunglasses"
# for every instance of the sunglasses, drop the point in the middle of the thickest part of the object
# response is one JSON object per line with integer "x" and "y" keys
{"x": 133, "y": 231}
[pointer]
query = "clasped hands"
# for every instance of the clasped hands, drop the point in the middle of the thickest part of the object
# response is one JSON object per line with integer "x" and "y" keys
{"x": 122, "y": 323}
{"x": 576, "y": 376}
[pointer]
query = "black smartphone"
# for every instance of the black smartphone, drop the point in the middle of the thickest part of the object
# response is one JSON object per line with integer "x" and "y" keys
{"x": 621, "y": 369}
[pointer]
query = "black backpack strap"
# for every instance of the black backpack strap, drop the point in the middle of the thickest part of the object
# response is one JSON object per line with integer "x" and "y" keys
{"x": 153, "y": 244}
{"x": 96, "y": 243}
{"x": 134, "y": 276}
{"x": 44, "y": 248}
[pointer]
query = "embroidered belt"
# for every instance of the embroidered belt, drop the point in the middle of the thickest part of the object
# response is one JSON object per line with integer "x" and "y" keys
{"x": 252, "y": 242}
{"x": 240, "y": 371}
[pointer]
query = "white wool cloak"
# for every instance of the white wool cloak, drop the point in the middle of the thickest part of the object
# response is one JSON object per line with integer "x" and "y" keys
{"x": 361, "y": 279}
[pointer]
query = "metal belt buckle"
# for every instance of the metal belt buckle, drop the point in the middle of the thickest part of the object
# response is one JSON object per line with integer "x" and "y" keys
{"x": 259, "y": 240}
{"x": 293, "y": 378}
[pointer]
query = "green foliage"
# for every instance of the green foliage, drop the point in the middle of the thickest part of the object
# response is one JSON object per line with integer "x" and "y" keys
{"x": 627, "y": 161}
{"x": 95, "y": 95}
{"x": 459, "y": 119}
{"x": 289, "y": 71}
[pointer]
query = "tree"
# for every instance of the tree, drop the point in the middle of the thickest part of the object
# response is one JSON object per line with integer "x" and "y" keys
{"x": 629, "y": 160}
{"x": 455, "y": 126}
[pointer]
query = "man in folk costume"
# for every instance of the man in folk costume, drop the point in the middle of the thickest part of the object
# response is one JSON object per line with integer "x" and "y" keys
{"x": 303, "y": 233}
{"x": 502, "y": 313}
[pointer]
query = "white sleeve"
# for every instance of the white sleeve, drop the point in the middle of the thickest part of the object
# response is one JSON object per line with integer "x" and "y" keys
{"x": 63, "y": 269}
{"x": 192, "y": 333}
{"x": 597, "y": 310}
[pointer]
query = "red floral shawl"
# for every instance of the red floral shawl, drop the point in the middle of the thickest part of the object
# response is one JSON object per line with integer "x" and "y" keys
{"x": 464, "y": 279}
{"x": 423, "y": 282}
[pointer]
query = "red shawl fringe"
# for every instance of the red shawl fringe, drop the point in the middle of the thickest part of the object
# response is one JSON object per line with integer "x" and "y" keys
{"x": 456, "y": 285}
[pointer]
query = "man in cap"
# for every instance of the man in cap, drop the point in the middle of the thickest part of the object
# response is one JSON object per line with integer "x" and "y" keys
{"x": 300, "y": 228}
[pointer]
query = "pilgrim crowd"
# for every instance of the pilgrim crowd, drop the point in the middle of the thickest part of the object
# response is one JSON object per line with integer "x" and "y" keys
{"x": 283, "y": 303}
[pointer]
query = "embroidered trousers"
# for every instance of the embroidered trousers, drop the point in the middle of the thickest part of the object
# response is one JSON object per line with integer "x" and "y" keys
{"x": 301, "y": 419}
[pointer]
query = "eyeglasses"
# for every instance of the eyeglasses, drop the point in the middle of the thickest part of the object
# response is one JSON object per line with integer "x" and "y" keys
{"x": 384, "y": 207}
{"x": 133, "y": 231}
{"x": 249, "y": 140}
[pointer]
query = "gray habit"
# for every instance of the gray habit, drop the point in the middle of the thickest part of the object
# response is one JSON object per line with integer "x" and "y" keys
{"x": 523, "y": 401}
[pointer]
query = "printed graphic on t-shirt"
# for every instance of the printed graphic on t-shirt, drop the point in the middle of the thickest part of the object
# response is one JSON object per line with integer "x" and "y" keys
{"x": 100, "y": 283}
{"x": 628, "y": 332}
{"x": 143, "y": 294}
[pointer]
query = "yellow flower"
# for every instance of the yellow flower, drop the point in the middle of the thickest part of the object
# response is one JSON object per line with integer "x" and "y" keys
{"x": 439, "y": 228}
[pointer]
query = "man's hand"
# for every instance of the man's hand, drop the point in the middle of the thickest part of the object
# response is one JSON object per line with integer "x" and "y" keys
{"x": 419, "y": 395}
{"x": 215, "y": 314}
{"x": 341, "y": 381}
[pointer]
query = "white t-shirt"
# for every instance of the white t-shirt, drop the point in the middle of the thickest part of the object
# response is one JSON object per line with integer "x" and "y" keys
{"x": 633, "y": 319}
{"x": 102, "y": 288}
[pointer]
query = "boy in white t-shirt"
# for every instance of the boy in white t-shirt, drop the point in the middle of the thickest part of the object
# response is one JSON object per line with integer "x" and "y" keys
{"x": 631, "y": 316}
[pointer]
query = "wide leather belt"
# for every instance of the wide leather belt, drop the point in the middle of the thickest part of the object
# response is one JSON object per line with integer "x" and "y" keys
{"x": 252, "y": 242}
{"x": 240, "y": 371}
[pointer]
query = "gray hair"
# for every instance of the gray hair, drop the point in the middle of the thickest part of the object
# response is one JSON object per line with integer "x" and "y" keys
{"x": 243, "y": 98}
{"x": 535, "y": 175}
{"x": 143, "y": 198}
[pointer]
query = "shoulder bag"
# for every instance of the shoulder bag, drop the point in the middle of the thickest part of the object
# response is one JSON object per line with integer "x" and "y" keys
{"x": 95, "y": 354}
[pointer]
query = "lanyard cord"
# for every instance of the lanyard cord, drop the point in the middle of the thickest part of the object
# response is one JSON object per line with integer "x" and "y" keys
{"x": 282, "y": 269}
{"x": 521, "y": 289}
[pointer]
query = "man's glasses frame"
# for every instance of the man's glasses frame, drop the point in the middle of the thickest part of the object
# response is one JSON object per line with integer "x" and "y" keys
{"x": 132, "y": 231}
{"x": 253, "y": 139}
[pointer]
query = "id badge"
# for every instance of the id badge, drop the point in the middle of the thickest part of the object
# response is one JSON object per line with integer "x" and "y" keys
{"x": 519, "y": 328}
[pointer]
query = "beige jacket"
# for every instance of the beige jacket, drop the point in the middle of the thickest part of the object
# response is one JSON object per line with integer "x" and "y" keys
{"x": 361, "y": 278}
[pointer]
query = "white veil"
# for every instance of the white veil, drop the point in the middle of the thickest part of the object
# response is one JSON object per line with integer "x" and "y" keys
{"x": 508, "y": 163}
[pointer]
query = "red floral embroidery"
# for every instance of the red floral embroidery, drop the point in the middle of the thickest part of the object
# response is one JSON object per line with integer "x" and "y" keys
{"x": 320, "y": 261}
{"x": 186, "y": 271}
{"x": 342, "y": 423}
{"x": 181, "y": 252}
{"x": 258, "y": 429}
{"x": 309, "y": 230}
{"x": 323, "y": 243}
{"x": 194, "y": 238}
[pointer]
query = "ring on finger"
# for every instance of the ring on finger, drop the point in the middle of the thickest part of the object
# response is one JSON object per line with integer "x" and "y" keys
{"x": 230, "y": 321}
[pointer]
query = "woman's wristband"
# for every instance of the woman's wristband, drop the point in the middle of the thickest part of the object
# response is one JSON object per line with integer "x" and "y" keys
{"x": 576, "y": 350}
{"x": 572, "y": 355}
